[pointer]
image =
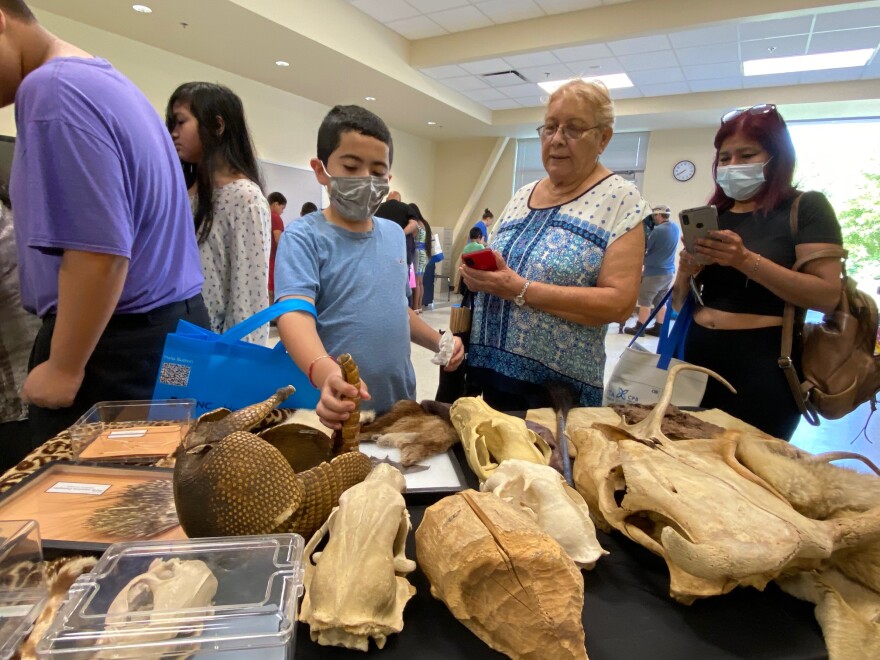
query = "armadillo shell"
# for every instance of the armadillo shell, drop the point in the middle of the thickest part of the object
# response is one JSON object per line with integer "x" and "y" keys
{"x": 302, "y": 446}
{"x": 239, "y": 486}
{"x": 321, "y": 487}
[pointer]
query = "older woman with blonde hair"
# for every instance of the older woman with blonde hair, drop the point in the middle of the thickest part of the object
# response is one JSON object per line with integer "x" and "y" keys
{"x": 569, "y": 252}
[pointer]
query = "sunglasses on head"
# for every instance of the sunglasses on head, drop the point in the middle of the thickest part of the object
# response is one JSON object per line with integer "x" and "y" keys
{"x": 761, "y": 109}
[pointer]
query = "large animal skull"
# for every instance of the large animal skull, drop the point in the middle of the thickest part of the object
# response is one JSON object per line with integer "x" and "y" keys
{"x": 557, "y": 508}
{"x": 355, "y": 588}
{"x": 147, "y": 599}
{"x": 490, "y": 437}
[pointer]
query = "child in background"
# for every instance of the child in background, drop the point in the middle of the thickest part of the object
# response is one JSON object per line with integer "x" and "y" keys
{"x": 232, "y": 217}
{"x": 352, "y": 266}
{"x": 475, "y": 241}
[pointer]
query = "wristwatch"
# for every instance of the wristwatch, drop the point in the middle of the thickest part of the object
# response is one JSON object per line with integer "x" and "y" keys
{"x": 520, "y": 300}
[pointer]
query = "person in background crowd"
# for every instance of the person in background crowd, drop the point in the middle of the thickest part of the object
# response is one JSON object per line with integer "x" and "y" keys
{"x": 277, "y": 204}
{"x": 475, "y": 241}
{"x": 422, "y": 256}
{"x": 232, "y": 217}
{"x": 658, "y": 272}
{"x": 394, "y": 209}
{"x": 484, "y": 224}
{"x": 738, "y": 331}
{"x": 308, "y": 207}
{"x": 17, "y": 332}
{"x": 352, "y": 266}
{"x": 106, "y": 255}
{"x": 569, "y": 251}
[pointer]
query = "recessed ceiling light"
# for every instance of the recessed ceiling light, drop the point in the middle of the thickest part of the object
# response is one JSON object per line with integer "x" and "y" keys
{"x": 369, "y": 98}
{"x": 840, "y": 60}
{"x": 282, "y": 63}
{"x": 143, "y": 9}
{"x": 613, "y": 81}
{"x": 432, "y": 123}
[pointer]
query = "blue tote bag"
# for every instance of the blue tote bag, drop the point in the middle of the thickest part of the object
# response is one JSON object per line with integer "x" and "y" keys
{"x": 222, "y": 371}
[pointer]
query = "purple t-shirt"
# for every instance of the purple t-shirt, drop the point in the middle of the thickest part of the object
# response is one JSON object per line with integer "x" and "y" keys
{"x": 95, "y": 170}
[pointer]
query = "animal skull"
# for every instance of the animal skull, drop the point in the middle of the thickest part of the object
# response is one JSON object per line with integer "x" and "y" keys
{"x": 557, "y": 508}
{"x": 355, "y": 589}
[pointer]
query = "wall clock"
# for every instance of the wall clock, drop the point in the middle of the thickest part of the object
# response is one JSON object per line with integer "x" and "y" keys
{"x": 684, "y": 170}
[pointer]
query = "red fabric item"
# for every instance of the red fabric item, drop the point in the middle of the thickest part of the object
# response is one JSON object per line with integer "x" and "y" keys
{"x": 277, "y": 225}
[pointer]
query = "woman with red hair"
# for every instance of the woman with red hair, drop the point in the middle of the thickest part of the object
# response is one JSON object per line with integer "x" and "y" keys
{"x": 737, "y": 331}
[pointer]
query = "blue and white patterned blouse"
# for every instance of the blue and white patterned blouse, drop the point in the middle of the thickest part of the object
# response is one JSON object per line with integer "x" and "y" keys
{"x": 562, "y": 245}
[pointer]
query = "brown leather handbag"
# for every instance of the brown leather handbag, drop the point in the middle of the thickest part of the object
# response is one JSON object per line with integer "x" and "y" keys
{"x": 838, "y": 365}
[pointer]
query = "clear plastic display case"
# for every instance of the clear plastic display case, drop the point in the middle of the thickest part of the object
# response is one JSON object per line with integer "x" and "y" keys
{"x": 23, "y": 587}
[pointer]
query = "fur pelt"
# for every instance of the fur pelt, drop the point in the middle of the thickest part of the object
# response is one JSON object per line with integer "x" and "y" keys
{"x": 417, "y": 430}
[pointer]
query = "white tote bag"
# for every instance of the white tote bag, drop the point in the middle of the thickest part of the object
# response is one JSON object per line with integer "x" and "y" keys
{"x": 640, "y": 375}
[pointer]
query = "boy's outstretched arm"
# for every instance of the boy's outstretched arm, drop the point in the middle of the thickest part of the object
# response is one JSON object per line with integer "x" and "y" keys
{"x": 426, "y": 337}
{"x": 300, "y": 337}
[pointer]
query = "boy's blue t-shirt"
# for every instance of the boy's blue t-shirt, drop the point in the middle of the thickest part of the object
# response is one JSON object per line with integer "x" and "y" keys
{"x": 358, "y": 282}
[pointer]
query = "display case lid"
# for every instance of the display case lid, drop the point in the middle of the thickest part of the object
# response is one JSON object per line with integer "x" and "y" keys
{"x": 254, "y": 605}
{"x": 23, "y": 588}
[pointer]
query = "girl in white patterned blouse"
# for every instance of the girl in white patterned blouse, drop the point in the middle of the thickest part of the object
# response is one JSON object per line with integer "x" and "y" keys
{"x": 232, "y": 218}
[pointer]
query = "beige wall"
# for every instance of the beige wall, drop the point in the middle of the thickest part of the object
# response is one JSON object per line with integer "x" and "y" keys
{"x": 284, "y": 126}
{"x": 499, "y": 189}
{"x": 457, "y": 167}
{"x": 665, "y": 149}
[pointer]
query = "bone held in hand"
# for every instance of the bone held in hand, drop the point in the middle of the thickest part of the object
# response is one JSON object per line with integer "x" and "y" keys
{"x": 351, "y": 426}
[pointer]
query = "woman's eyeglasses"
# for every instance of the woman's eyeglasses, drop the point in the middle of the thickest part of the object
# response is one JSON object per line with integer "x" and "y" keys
{"x": 547, "y": 131}
{"x": 761, "y": 109}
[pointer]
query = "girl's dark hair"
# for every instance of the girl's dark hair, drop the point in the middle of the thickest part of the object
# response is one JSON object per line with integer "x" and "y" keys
{"x": 414, "y": 212}
{"x": 488, "y": 214}
{"x": 19, "y": 9}
{"x": 4, "y": 196}
{"x": 769, "y": 130}
{"x": 225, "y": 140}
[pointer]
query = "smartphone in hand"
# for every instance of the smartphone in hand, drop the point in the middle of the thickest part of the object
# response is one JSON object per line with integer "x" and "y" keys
{"x": 480, "y": 260}
{"x": 697, "y": 223}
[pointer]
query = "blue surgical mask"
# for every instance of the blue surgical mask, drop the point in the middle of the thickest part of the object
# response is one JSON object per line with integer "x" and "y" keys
{"x": 740, "y": 182}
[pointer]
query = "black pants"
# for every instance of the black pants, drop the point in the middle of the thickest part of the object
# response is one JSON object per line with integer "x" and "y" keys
{"x": 123, "y": 366}
{"x": 747, "y": 359}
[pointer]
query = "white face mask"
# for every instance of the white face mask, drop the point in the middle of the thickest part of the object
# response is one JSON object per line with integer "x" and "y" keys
{"x": 740, "y": 182}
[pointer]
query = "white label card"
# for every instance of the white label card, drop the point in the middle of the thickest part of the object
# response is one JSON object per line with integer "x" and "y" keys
{"x": 73, "y": 488}
{"x": 128, "y": 433}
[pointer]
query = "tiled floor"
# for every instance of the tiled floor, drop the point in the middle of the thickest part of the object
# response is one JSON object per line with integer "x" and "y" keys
{"x": 854, "y": 433}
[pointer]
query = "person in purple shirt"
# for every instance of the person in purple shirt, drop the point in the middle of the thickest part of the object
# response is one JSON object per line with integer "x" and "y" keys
{"x": 106, "y": 252}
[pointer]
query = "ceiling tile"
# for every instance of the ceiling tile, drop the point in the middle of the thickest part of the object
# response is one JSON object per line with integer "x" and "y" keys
{"x": 502, "y": 104}
{"x": 710, "y": 36}
{"x": 386, "y": 10}
{"x": 586, "y": 52}
{"x": 485, "y": 95}
{"x": 783, "y": 47}
{"x": 541, "y": 58}
{"x": 659, "y": 60}
{"x": 628, "y": 93}
{"x": 461, "y": 18}
{"x": 427, "y": 6}
{"x": 708, "y": 54}
{"x": 639, "y": 45}
{"x": 774, "y": 80}
{"x": 831, "y": 75}
{"x": 710, "y": 71}
{"x": 657, "y": 76}
{"x": 665, "y": 89}
{"x": 715, "y": 84}
{"x": 830, "y": 42}
{"x": 563, "y": 6}
{"x": 536, "y": 101}
{"x": 486, "y": 66}
{"x": 780, "y": 27}
{"x": 844, "y": 20}
{"x": 601, "y": 67}
{"x": 465, "y": 83}
{"x": 520, "y": 91}
{"x": 547, "y": 72}
{"x": 419, "y": 27}
{"x": 445, "y": 71}
{"x": 502, "y": 80}
{"x": 509, "y": 11}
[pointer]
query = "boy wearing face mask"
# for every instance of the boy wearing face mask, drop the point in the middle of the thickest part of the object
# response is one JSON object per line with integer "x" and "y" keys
{"x": 352, "y": 266}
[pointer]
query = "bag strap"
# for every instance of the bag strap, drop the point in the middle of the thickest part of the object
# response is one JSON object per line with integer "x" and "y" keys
{"x": 261, "y": 318}
{"x": 654, "y": 313}
{"x": 788, "y": 322}
{"x": 673, "y": 345}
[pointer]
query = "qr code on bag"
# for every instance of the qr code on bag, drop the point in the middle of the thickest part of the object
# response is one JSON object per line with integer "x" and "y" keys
{"x": 174, "y": 374}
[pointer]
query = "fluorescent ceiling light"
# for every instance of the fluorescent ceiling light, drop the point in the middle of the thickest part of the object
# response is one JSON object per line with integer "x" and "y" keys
{"x": 143, "y": 9}
{"x": 839, "y": 60}
{"x": 282, "y": 63}
{"x": 613, "y": 81}
{"x": 369, "y": 98}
